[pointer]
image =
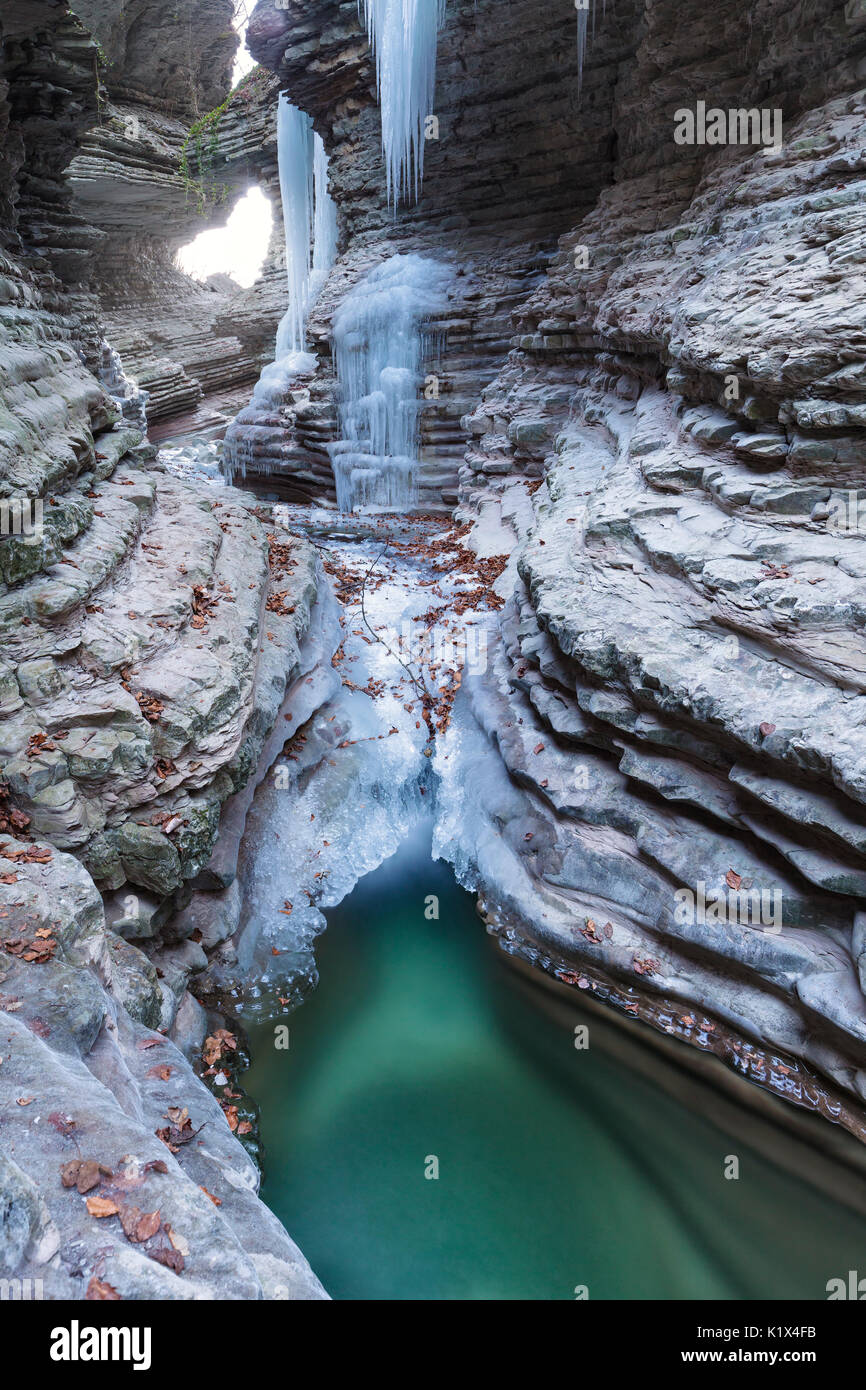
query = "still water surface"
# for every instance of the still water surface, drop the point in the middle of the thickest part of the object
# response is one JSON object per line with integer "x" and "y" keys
{"x": 557, "y": 1167}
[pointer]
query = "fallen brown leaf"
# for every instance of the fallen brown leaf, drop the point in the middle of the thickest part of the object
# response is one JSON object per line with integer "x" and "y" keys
{"x": 139, "y": 1226}
{"x": 98, "y": 1289}
{"x": 102, "y": 1206}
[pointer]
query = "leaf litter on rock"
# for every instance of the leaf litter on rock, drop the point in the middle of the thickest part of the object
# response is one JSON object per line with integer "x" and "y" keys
{"x": 140, "y": 1227}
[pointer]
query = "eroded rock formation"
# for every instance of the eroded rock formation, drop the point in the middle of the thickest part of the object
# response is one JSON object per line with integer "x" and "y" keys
{"x": 145, "y": 178}
{"x": 650, "y": 402}
{"x": 149, "y": 635}
{"x": 687, "y": 383}
{"x": 672, "y": 444}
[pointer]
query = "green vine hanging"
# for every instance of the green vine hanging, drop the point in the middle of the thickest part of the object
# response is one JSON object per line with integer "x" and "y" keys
{"x": 200, "y": 147}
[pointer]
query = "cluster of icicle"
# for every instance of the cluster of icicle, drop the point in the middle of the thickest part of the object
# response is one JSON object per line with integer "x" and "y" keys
{"x": 379, "y": 345}
{"x": 310, "y": 229}
{"x": 403, "y": 35}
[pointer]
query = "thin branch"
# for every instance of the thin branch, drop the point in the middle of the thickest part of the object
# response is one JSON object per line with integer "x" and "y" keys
{"x": 423, "y": 693}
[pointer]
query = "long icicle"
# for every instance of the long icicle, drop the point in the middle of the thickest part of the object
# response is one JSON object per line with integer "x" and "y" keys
{"x": 295, "y": 154}
{"x": 308, "y": 212}
{"x": 583, "y": 9}
{"x": 403, "y": 35}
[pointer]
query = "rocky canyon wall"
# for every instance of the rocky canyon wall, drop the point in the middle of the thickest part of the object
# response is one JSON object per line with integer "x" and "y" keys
{"x": 648, "y": 417}
{"x": 146, "y": 647}
{"x": 665, "y": 341}
{"x": 143, "y": 178}
{"x": 688, "y": 384}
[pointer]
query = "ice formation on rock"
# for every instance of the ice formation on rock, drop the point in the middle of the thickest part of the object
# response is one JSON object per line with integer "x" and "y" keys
{"x": 309, "y": 220}
{"x": 310, "y": 227}
{"x": 295, "y": 154}
{"x": 126, "y": 393}
{"x": 361, "y": 762}
{"x": 324, "y": 220}
{"x": 380, "y": 342}
{"x": 583, "y": 12}
{"x": 403, "y": 35}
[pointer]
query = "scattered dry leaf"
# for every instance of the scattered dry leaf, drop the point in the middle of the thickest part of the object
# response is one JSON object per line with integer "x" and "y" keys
{"x": 99, "y": 1289}
{"x": 102, "y": 1206}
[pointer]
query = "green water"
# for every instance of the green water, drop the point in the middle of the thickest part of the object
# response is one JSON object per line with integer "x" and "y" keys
{"x": 557, "y": 1167}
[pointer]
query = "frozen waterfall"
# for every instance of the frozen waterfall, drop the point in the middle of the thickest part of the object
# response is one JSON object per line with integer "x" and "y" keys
{"x": 127, "y": 395}
{"x": 403, "y": 36}
{"x": 310, "y": 229}
{"x": 379, "y": 346}
{"x": 309, "y": 220}
{"x": 324, "y": 220}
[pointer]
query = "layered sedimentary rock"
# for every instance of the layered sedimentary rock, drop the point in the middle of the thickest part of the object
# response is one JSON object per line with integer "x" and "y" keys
{"x": 149, "y": 632}
{"x": 145, "y": 178}
{"x": 518, "y": 150}
{"x": 672, "y": 446}
{"x": 49, "y": 97}
{"x": 95, "y": 1201}
{"x": 681, "y": 656}
{"x": 650, "y": 395}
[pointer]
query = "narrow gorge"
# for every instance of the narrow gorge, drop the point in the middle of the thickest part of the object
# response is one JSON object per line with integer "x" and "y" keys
{"x": 383, "y": 810}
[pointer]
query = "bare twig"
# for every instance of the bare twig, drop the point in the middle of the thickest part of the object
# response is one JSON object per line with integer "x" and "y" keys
{"x": 418, "y": 684}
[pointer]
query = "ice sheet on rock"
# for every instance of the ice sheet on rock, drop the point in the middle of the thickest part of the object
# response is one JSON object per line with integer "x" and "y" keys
{"x": 278, "y": 377}
{"x": 403, "y": 35}
{"x": 196, "y": 461}
{"x": 126, "y": 393}
{"x": 257, "y": 422}
{"x": 380, "y": 342}
{"x": 473, "y": 793}
{"x": 342, "y": 799}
